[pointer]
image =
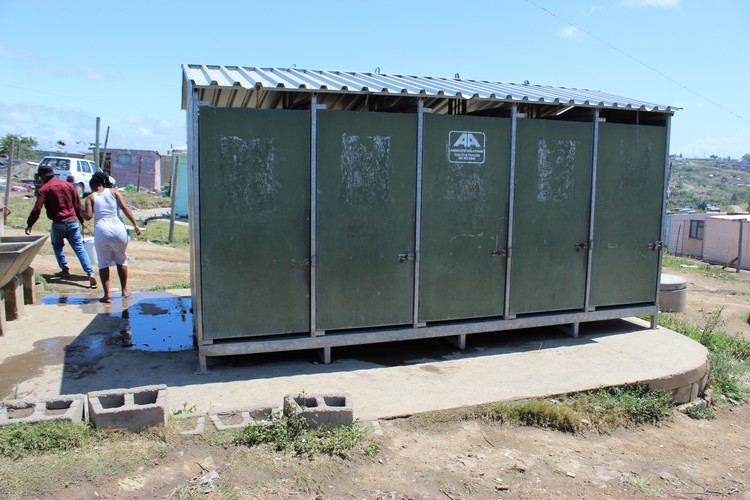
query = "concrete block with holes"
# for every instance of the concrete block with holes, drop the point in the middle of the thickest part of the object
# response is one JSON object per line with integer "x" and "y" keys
{"x": 131, "y": 409}
{"x": 67, "y": 408}
{"x": 237, "y": 419}
{"x": 321, "y": 409}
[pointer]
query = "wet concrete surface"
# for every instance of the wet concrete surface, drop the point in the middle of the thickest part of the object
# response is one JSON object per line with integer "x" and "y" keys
{"x": 73, "y": 345}
{"x": 147, "y": 321}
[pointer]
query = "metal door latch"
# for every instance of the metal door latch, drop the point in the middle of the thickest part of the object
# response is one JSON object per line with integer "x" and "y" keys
{"x": 499, "y": 253}
{"x": 655, "y": 245}
{"x": 581, "y": 246}
{"x": 403, "y": 257}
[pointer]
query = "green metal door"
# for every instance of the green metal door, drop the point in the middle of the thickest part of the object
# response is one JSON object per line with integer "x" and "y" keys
{"x": 551, "y": 216}
{"x": 366, "y": 171}
{"x": 627, "y": 220}
{"x": 254, "y": 221}
{"x": 464, "y": 217}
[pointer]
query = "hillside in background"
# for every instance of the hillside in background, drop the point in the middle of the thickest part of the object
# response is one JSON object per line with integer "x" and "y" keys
{"x": 702, "y": 183}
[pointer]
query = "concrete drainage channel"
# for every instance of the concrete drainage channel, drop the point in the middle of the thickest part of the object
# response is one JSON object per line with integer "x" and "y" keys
{"x": 141, "y": 407}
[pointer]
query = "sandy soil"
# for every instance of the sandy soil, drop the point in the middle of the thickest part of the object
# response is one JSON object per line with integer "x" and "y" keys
{"x": 707, "y": 294}
{"x": 150, "y": 265}
{"x": 684, "y": 458}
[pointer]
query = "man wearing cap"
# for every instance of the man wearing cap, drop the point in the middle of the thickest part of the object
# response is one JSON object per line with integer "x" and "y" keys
{"x": 63, "y": 206}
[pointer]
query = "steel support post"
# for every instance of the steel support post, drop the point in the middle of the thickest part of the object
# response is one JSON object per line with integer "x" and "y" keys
{"x": 592, "y": 212}
{"x": 660, "y": 249}
{"x": 511, "y": 200}
{"x": 314, "y": 108}
{"x": 418, "y": 213}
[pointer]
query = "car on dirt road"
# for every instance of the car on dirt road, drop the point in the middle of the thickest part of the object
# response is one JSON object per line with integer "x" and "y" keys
{"x": 74, "y": 170}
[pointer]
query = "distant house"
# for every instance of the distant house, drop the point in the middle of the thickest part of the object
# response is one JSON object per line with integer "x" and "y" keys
{"x": 710, "y": 237}
{"x": 140, "y": 168}
{"x": 181, "y": 186}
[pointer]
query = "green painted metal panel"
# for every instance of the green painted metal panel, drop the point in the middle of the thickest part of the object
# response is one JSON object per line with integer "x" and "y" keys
{"x": 554, "y": 161}
{"x": 254, "y": 221}
{"x": 629, "y": 191}
{"x": 466, "y": 165}
{"x": 366, "y": 175}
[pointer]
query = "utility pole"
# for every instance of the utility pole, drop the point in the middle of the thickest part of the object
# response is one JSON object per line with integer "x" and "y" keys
{"x": 96, "y": 146}
{"x": 140, "y": 167}
{"x": 8, "y": 182}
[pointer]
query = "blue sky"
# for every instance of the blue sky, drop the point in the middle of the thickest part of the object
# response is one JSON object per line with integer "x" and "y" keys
{"x": 62, "y": 64}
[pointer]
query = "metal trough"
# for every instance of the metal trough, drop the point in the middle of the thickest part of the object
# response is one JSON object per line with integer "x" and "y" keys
{"x": 16, "y": 254}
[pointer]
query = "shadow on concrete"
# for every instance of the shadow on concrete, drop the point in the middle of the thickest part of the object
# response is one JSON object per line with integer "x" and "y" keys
{"x": 146, "y": 339}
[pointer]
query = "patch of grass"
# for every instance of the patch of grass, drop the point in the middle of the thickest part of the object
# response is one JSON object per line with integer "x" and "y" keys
{"x": 38, "y": 278}
{"x": 538, "y": 413}
{"x": 157, "y": 231}
{"x": 20, "y": 440}
{"x": 100, "y": 456}
{"x": 700, "y": 412}
{"x": 601, "y": 410}
{"x": 729, "y": 357}
{"x": 144, "y": 200}
{"x": 291, "y": 433}
{"x": 607, "y": 409}
{"x": 174, "y": 286}
{"x": 642, "y": 485}
{"x": 684, "y": 264}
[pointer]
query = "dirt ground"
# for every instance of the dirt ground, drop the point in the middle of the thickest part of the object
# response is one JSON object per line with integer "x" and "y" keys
{"x": 683, "y": 458}
{"x": 150, "y": 265}
{"x": 707, "y": 294}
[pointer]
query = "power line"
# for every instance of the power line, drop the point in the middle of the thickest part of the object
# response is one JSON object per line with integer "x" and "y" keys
{"x": 655, "y": 70}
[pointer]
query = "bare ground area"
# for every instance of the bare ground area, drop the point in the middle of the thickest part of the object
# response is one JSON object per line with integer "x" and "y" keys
{"x": 426, "y": 458}
{"x": 707, "y": 294}
{"x": 683, "y": 458}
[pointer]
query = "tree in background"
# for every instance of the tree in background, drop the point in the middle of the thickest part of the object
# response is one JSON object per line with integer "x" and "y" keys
{"x": 746, "y": 157}
{"x": 24, "y": 147}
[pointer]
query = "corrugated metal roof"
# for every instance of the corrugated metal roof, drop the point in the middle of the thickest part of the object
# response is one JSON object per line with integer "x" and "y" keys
{"x": 301, "y": 80}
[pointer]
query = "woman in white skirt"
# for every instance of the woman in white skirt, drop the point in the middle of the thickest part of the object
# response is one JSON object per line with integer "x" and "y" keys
{"x": 110, "y": 235}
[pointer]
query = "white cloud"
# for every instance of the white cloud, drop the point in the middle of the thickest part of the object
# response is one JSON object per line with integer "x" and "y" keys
{"x": 667, "y": 4}
{"x": 570, "y": 32}
{"x": 9, "y": 54}
{"x": 735, "y": 145}
{"x": 78, "y": 129}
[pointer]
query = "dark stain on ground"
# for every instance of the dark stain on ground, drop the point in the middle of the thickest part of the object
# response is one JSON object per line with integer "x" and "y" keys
{"x": 17, "y": 369}
{"x": 145, "y": 321}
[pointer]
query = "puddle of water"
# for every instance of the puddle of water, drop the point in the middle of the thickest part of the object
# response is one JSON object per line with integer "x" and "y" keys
{"x": 159, "y": 324}
{"x": 151, "y": 321}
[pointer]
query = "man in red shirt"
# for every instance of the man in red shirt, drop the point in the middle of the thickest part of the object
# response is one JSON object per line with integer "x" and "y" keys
{"x": 63, "y": 206}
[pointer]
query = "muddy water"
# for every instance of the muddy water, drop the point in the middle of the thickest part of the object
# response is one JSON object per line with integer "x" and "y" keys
{"x": 146, "y": 321}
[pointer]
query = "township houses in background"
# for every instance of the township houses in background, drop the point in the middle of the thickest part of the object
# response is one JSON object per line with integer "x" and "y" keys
{"x": 134, "y": 166}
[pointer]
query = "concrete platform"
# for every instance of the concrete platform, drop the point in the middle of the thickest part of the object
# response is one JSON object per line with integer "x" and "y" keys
{"x": 79, "y": 346}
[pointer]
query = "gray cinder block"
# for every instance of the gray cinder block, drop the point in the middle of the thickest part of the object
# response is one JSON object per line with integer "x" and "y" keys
{"x": 67, "y": 408}
{"x": 131, "y": 409}
{"x": 321, "y": 409}
{"x": 237, "y": 419}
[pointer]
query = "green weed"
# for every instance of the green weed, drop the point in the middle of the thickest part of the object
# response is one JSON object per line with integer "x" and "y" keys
{"x": 19, "y": 440}
{"x": 700, "y": 412}
{"x": 695, "y": 266}
{"x": 173, "y": 286}
{"x": 538, "y": 413}
{"x": 729, "y": 357}
{"x": 600, "y": 410}
{"x": 292, "y": 433}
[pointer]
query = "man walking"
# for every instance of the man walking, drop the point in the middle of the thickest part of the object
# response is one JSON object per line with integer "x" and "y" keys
{"x": 63, "y": 206}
